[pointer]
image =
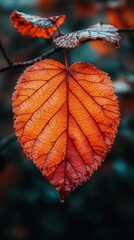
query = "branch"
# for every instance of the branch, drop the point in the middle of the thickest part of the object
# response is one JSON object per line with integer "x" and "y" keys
{"x": 9, "y": 62}
{"x": 12, "y": 65}
{"x": 125, "y": 30}
{"x": 30, "y": 62}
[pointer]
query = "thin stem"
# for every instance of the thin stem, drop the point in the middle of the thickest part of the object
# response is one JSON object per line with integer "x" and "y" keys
{"x": 9, "y": 62}
{"x": 30, "y": 62}
{"x": 58, "y": 29}
{"x": 126, "y": 30}
{"x": 66, "y": 58}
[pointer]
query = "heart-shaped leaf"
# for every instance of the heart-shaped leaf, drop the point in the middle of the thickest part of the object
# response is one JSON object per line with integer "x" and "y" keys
{"x": 66, "y": 120}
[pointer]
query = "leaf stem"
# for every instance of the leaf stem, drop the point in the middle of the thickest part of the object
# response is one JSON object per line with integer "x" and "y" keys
{"x": 66, "y": 59}
{"x": 58, "y": 29}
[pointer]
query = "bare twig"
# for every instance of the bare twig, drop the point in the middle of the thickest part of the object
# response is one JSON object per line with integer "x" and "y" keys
{"x": 9, "y": 62}
{"x": 30, "y": 62}
{"x": 126, "y": 30}
{"x": 12, "y": 65}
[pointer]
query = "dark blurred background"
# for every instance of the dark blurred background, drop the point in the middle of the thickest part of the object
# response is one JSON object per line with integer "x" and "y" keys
{"x": 103, "y": 208}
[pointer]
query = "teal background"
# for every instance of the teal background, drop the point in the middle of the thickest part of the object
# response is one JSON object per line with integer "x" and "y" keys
{"x": 102, "y": 208}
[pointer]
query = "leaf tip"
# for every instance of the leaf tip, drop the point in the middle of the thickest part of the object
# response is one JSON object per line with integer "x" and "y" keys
{"x": 62, "y": 194}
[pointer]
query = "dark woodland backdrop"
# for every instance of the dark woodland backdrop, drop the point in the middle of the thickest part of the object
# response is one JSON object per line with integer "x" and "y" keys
{"x": 103, "y": 208}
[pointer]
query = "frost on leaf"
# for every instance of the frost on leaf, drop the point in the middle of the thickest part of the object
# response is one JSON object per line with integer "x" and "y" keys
{"x": 35, "y": 26}
{"x": 65, "y": 120}
{"x": 99, "y": 31}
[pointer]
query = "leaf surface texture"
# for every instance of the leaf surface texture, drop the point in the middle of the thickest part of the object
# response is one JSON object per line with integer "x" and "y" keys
{"x": 66, "y": 120}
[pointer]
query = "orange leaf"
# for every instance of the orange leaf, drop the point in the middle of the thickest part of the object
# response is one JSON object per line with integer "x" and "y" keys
{"x": 34, "y": 26}
{"x": 102, "y": 47}
{"x": 45, "y": 3}
{"x": 65, "y": 120}
{"x": 85, "y": 8}
{"x": 121, "y": 16}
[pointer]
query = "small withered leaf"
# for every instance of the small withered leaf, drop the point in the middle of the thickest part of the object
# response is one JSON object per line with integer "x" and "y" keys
{"x": 99, "y": 31}
{"x": 35, "y": 26}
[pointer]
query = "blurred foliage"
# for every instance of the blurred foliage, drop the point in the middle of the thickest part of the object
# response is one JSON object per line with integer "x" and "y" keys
{"x": 103, "y": 208}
